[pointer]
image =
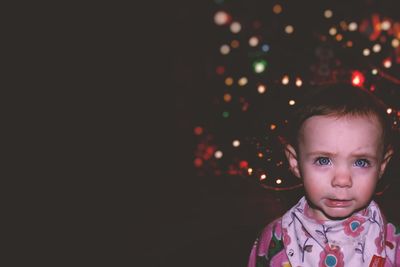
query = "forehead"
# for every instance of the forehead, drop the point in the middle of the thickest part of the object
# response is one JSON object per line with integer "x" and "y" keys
{"x": 349, "y": 130}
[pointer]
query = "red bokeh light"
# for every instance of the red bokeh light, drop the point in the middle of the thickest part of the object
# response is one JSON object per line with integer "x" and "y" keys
{"x": 243, "y": 164}
{"x": 357, "y": 78}
{"x": 198, "y": 162}
{"x": 198, "y": 130}
{"x": 220, "y": 70}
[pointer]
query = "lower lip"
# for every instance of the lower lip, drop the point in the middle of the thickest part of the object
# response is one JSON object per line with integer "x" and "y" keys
{"x": 334, "y": 203}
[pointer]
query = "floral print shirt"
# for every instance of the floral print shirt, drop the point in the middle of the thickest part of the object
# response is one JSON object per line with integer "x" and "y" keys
{"x": 295, "y": 239}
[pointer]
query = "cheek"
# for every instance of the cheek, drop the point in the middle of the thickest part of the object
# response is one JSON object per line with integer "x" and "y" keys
{"x": 314, "y": 187}
{"x": 365, "y": 187}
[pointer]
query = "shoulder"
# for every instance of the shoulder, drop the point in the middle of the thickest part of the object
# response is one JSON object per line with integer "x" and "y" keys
{"x": 393, "y": 232}
{"x": 270, "y": 236}
{"x": 268, "y": 245}
{"x": 392, "y": 242}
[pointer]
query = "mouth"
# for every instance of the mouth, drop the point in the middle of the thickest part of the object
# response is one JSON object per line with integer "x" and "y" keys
{"x": 337, "y": 203}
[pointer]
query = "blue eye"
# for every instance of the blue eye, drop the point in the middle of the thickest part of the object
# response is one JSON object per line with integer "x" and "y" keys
{"x": 361, "y": 163}
{"x": 323, "y": 161}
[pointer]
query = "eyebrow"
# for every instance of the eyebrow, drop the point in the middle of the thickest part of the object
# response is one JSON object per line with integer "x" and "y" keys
{"x": 319, "y": 153}
{"x": 355, "y": 155}
{"x": 364, "y": 155}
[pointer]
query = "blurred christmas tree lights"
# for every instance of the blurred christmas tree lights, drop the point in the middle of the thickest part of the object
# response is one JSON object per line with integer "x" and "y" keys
{"x": 267, "y": 52}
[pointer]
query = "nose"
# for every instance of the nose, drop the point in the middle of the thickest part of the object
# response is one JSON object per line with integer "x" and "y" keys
{"x": 342, "y": 178}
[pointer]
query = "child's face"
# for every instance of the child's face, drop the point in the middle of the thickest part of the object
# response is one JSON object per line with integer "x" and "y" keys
{"x": 340, "y": 161}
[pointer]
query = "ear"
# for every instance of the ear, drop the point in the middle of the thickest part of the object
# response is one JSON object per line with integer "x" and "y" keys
{"x": 291, "y": 156}
{"x": 386, "y": 158}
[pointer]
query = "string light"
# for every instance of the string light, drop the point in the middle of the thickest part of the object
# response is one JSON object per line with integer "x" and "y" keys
{"x": 265, "y": 48}
{"x": 198, "y": 130}
{"x": 225, "y": 114}
{"x": 299, "y": 82}
{"x": 376, "y": 48}
{"x": 249, "y": 171}
{"x": 357, "y": 78}
{"x": 389, "y": 111}
{"x": 374, "y": 71}
{"x": 220, "y": 70}
{"x": 339, "y": 37}
{"x": 228, "y": 81}
{"x": 253, "y": 41}
{"x": 292, "y": 102}
{"x": 272, "y": 127}
{"x": 328, "y": 13}
{"x": 278, "y": 181}
{"x": 366, "y": 52}
{"x": 353, "y": 26}
{"x": 218, "y": 154}
{"x": 235, "y": 44}
{"x": 259, "y": 66}
{"x": 235, "y": 27}
{"x": 349, "y": 44}
{"x": 198, "y": 162}
{"x": 236, "y": 143}
{"x": 243, "y": 164}
{"x": 221, "y": 18}
{"x": 242, "y": 81}
{"x": 385, "y": 25}
{"x": 395, "y": 43}
{"x": 343, "y": 25}
{"x": 332, "y": 31}
{"x": 285, "y": 79}
{"x": 277, "y": 9}
{"x": 387, "y": 63}
{"x": 225, "y": 49}
{"x": 263, "y": 177}
{"x": 289, "y": 29}
{"x": 227, "y": 97}
{"x": 372, "y": 88}
{"x": 261, "y": 88}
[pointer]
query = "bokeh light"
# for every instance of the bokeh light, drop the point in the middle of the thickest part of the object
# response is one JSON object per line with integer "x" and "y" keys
{"x": 395, "y": 43}
{"x": 221, "y": 18}
{"x": 299, "y": 82}
{"x": 366, "y": 52}
{"x": 376, "y": 48}
{"x": 285, "y": 79}
{"x": 328, "y": 13}
{"x": 261, "y": 88}
{"x": 225, "y": 49}
{"x": 277, "y": 9}
{"x": 243, "y": 81}
{"x": 265, "y": 47}
{"x": 227, "y": 97}
{"x": 253, "y": 41}
{"x": 353, "y": 26}
{"x": 387, "y": 63}
{"x": 198, "y": 130}
{"x": 228, "y": 81}
{"x": 218, "y": 154}
{"x": 236, "y": 143}
{"x": 289, "y": 29}
{"x": 235, "y": 27}
{"x": 259, "y": 66}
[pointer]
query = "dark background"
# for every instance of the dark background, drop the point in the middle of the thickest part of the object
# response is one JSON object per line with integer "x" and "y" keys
{"x": 204, "y": 221}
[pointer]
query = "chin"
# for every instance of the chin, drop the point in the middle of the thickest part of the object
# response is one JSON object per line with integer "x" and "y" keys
{"x": 337, "y": 217}
{"x": 338, "y": 214}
